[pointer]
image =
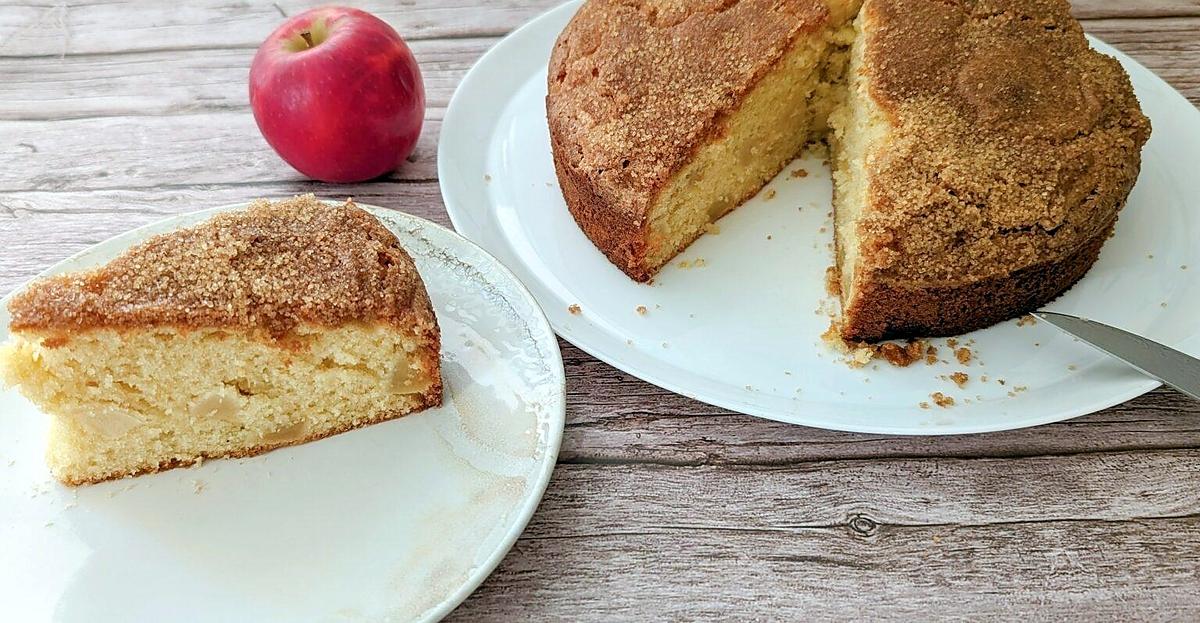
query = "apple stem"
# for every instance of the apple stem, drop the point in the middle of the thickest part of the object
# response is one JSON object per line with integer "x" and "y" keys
{"x": 307, "y": 38}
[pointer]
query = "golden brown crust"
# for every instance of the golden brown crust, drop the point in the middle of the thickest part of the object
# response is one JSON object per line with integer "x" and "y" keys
{"x": 1012, "y": 143}
{"x": 431, "y": 398}
{"x": 636, "y": 86}
{"x": 887, "y": 311}
{"x": 270, "y": 267}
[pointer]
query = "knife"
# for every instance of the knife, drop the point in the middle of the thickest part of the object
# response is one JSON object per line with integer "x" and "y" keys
{"x": 1166, "y": 364}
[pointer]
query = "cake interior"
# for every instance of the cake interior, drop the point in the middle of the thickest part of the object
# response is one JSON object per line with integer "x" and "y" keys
{"x": 125, "y": 402}
{"x": 787, "y": 109}
{"x": 858, "y": 127}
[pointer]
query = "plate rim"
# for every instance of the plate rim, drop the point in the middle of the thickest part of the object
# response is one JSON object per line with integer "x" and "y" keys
{"x": 455, "y": 199}
{"x": 531, "y": 502}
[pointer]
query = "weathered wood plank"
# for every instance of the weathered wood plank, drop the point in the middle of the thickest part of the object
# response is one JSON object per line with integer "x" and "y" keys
{"x": 42, "y": 28}
{"x": 37, "y": 27}
{"x": 188, "y": 81}
{"x": 145, "y": 152}
{"x": 1100, "y": 9}
{"x": 1063, "y": 571}
{"x": 1107, "y": 534}
{"x": 1110, "y": 486}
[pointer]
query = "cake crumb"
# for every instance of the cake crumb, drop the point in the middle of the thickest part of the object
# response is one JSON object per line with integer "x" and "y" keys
{"x": 1072, "y": 367}
{"x": 665, "y": 345}
{"x": 924, "y": 405}
{"x": 983, "y": 379}
{"x": 487, "y": 178}
{"x": 768, "y": 236}
{"x": 641, "y": 310}
{"x": 712, "y": 229}
{"x": 952, "y": 343}
{"x": 198, "y": 486}
{"x": 823, "y": 230}
{"x": 770, "y": 194}
{"x": 1001, "y": 381}
{"x": 1026, "y": 320}
{"x": 960, "y": 379}
{"x": 963, "y": 355}
{"x": 859, "y": 354}
{"x": 800, "y": 173}
{"x": 575, "y": 309}
{"x": 942, "y": 400}
{"x": 833, "y": 282}
{"x": 931, "y": 355}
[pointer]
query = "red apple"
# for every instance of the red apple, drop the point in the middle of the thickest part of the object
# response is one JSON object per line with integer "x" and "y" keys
{"x": 338, "y": 95}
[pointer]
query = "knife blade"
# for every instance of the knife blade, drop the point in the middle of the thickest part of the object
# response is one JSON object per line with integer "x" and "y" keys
{"x": 1177, "y": 369}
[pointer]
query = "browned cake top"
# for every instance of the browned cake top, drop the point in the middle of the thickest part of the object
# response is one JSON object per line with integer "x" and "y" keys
{"x": 635, "y": 85}
{"x": 1013, "y": 142}
{"x": 270, "y": 267}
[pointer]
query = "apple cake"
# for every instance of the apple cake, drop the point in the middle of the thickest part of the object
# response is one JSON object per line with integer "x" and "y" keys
{"x": 284, "y": 323}
{"x": 981, "y": 149}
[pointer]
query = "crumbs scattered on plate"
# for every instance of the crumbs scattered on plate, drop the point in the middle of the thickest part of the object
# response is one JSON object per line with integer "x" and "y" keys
{"x": 960, "y": 379}
{"x": 1026, "y": 320}
{"x": 770, "y": 194}
{"x": 859, "y": 354}
{"x": 575, "y": 309}
{"x": 641, "y": 310}
{"x": 942, "y": 400}
{"x": 712, "y": 229}
{"x": 800, "y": 173}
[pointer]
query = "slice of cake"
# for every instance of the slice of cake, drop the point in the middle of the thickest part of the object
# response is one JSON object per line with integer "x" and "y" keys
{"x": 666, "y": 114}
{"x": 277, "y": 325}
{"x": 981, "y": 159}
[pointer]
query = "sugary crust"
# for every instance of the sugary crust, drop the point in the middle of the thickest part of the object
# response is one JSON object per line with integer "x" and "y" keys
{"x": 886, "y": 311}
{"x": 637, "y": 86}
{"x": 431, "y": 398}
{"x": 1012, "y": 144}
{"x": 269, "y": 268}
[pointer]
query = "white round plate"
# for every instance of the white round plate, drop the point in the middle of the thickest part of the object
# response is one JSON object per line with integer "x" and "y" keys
{"x": 743, "y": 331}
{"x": 398, "y": 521}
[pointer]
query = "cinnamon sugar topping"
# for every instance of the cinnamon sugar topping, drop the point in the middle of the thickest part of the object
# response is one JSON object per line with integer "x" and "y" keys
{"x": 271, "y": 267}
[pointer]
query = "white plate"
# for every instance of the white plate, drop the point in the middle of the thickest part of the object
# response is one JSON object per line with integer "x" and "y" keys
{"x": 396, "y": 521}
{"x": 741, "y": 332}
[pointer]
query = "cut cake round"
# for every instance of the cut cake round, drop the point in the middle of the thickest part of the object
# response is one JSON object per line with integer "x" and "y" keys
{"x": 981, "y": 149}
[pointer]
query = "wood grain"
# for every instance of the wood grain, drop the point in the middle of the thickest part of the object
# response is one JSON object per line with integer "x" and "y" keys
{"x": 119, "y": 113}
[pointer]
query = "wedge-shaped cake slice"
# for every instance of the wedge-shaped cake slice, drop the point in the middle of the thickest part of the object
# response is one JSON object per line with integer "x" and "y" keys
{"x": 277, "y": 325}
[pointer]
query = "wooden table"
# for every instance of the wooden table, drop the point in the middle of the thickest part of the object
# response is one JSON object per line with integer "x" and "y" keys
{"x": 116, "y": 114}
